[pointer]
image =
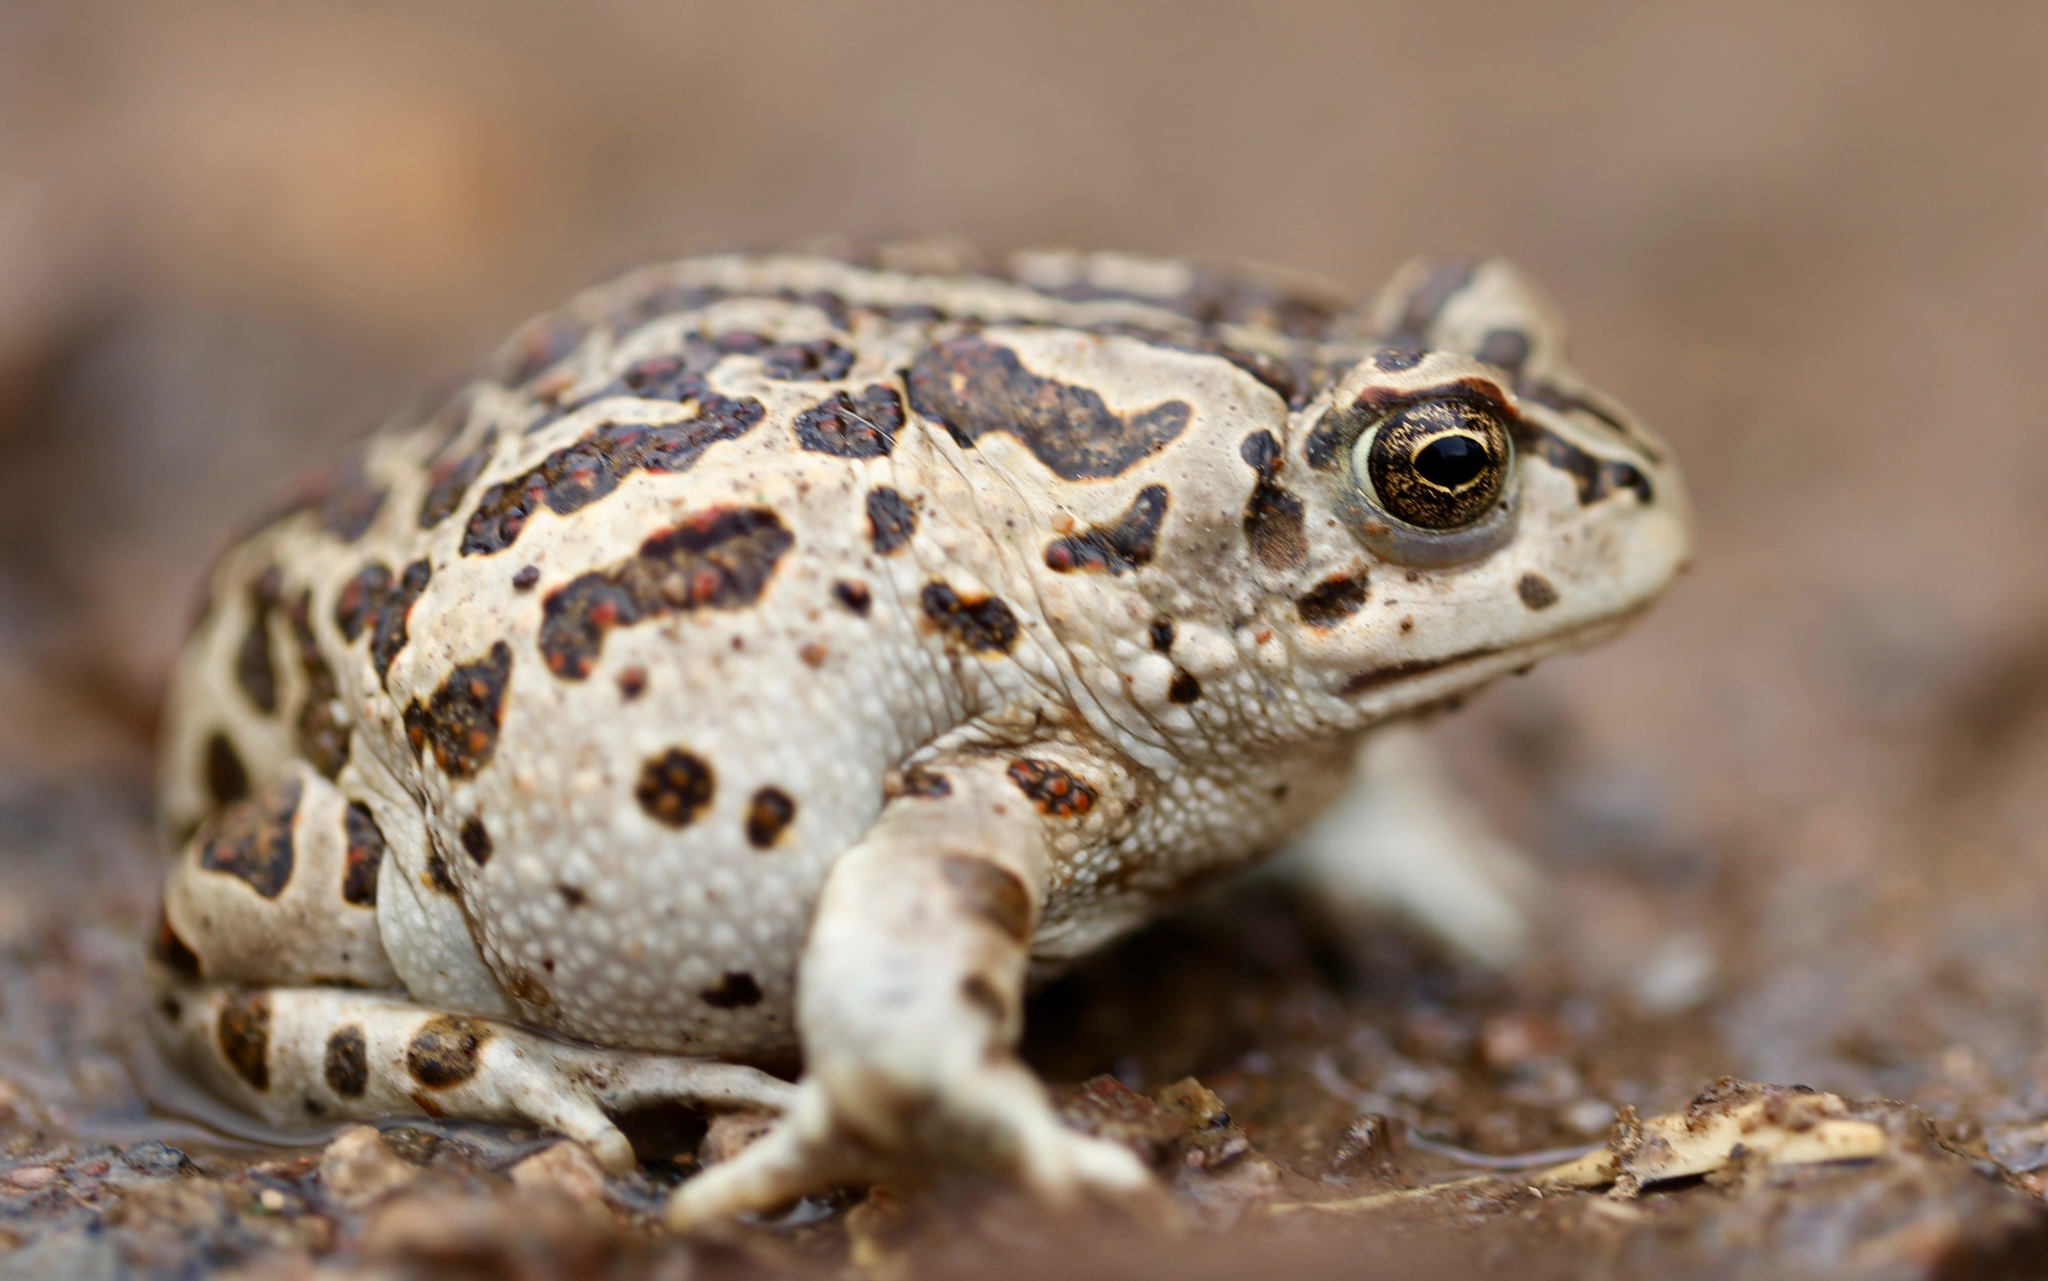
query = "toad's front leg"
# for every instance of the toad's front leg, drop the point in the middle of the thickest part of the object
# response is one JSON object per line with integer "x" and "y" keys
{"x": 909, "y": 1001}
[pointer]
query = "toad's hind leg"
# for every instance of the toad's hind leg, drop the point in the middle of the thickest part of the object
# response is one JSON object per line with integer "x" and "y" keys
{"x": 910, "y": 999}
{"x": 291, "y": 1054}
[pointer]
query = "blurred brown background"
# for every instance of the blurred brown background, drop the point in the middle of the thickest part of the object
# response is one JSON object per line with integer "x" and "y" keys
{"x": 1800, "y": 812}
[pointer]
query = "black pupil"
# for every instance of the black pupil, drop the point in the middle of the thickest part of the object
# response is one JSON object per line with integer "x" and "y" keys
{"x": 1451, "y": 461}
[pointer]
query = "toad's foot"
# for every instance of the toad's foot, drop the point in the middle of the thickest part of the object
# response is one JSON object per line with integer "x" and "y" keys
{"x": 1403, "y": 841}
{"x": 291, "y": 1054}
{"x": 999, "y": 1121}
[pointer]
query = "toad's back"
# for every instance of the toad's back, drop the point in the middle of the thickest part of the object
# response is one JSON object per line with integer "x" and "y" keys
{"x": 560, "y": 705}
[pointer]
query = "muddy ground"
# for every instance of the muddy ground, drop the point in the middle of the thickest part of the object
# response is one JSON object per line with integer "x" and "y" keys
{"x": 1790, "y": 830}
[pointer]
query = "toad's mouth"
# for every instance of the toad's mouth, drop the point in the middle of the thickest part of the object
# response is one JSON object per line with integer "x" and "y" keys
{"x": 1449, "y": 673}
{"x": 1380, "y": 677}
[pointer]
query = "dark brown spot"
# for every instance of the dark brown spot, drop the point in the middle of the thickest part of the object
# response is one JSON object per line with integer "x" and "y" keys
{"x": 916, "y": 781}
{"x": 768, "y": 814}
{"x": 1161, "y": 634}
{"x": 978, "y": 992}
{"x": 1118, "y": 548}
{"x": 1596, "y": 477}
{"x": 1184, "y": 688}
{"x": 681, "y": 376}
{"x": 719, "y": 559}
{"x": 1273, "y": 517}
{"x": 632, "y": 683}
{"x": 450, "y": 416}
{"x": 1536, "y": 591}
{"x": 1274, "y": 526}
{"x": 450, "y": 479}
{"x": 351, "y": 502}
{"x": 460, "y": 722}
{"x": 476, "y": 840}
{"x": 1324, "y": 440}
{"x": 539, "y": 345}
{"x": 1434, "y": 293}
{"x": 662, "y": 298}
{"x": 170, "y": 951}
{"x": 1505, "y": 349}
{"x": 446, "y": 1051}
{"x": 323, "y": 734}
{"x": 243, "y": 1033}
{"x": 392, "y": 617}
{"x": 252, "y": 840}
{"x": 1053, "y": 789}
{"x": 814, "y": 360}
{"x": 891, "y": 519}
{"x": 1554, "y": 397}
{"x": 577, "y": 475}
{"x": 526, "y": 988}
{"x": 1394, "y": 360}
{"x": 255, "y": 668}
{"x": 991, "y": 892}
{"x": 526, "y": 579}
{"x": 1333, "y": 600}
{"x": 1220, "y": 296}
{"x": 347, "y": 1066}
{"x": 674, "y": 787}
{"x": 571, "y": 894}
{"x": 1289, "y": 379}
{"x": 437, "y": 878}
{"x": 733, "y": 991}
{"x": 227, "y": 779}
{"x": 355, "y": 609}
{"x": 984, "y": 624}
{"x": 1261, "y": 452}
{"x": 973, "y": 388}
{"x": 365, "y": 856}
{"x": 909, "y": 313}
{"x": 852, "y": 427}
{"x": 854, "y": 595}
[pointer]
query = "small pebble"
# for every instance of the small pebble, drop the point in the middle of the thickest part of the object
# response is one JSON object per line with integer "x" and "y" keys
{"x": 155, "y": 1158}
{"x": 566, "y": 1168}
{"x": 731, "y": 1133}
{"x": 359, "y": 1167}
{"x": 31, "y": 1176}
{"x": 1366, "y": 1142}
{"x": 1589, "y": 1117}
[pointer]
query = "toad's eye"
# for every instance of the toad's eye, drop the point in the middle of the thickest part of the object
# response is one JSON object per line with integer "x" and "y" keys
{"x": 1435, "y": 464}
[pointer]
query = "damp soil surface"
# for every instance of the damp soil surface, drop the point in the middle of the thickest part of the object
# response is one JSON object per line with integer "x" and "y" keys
{"x": 1785, "y": 839}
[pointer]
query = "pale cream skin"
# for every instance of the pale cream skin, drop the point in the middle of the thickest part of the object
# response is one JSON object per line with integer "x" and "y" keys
{"x": 771, "y": 727}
